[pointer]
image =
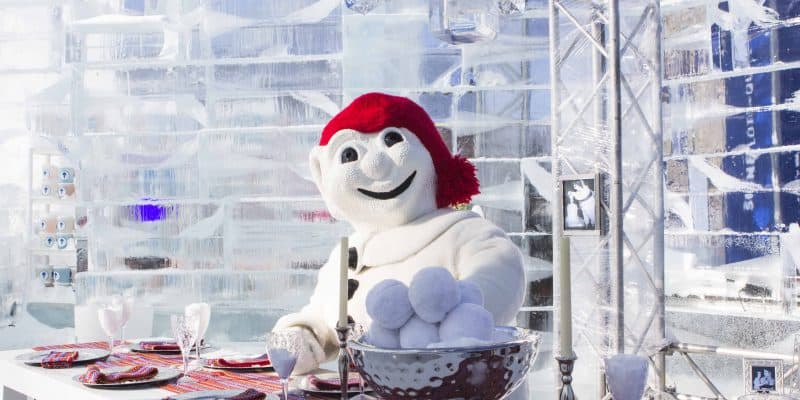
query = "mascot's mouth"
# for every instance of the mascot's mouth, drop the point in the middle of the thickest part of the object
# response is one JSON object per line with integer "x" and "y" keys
{"x": 392, "y": 193}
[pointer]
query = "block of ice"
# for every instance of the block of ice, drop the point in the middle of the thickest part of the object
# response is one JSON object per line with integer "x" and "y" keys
{"x": 433, "y": 293}
{"x": 379, "y": 336}
{"x": 467, "y": 321}
{"x": 388, "y": 304}
{"x": 470, "y": 293}
{"x": 418, "y": 334}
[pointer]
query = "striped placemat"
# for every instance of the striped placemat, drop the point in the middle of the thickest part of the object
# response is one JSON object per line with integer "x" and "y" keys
{"x": 204, "y": 379}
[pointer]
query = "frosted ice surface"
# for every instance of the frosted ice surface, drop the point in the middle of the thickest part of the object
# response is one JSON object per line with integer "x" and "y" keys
{"x": 312, "y": 13}
{"x": 279, "y": 109}
{"x": 305, "y": 73}
{"x": 393, "y": 45}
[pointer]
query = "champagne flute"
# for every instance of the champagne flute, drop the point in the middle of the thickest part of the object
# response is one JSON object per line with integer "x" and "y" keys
{"x": 9, "y": 308}
{"x": 110, "y": 317}
{"x": 184, "y": 328}
{"x": 202, "y": 312}
{"x": 283, "y": 348}
{"x": 125, "y": 303}
{"x": 12, "y": 288}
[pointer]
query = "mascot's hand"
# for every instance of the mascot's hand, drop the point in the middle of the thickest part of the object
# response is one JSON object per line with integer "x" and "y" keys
{"x": 311, "y": 353}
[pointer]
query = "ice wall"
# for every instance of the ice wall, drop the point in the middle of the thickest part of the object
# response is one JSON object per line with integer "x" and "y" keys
{"x": 730, "y": 145}
{"x": 188, "y": 126}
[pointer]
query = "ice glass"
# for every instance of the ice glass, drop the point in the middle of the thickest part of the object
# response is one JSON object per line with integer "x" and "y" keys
{"x": 626, "y": 375}
{"x": 283, "y": 348}
{"x": 12, "y": 289}
{"x": 125, "y": 304}
{"x": 202, "y": 312}
{"x": 184, "y": 328}
{"x": 111, "y": 321}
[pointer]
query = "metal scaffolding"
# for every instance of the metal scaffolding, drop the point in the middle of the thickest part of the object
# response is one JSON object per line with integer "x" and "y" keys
{"x": 605, "y": 72}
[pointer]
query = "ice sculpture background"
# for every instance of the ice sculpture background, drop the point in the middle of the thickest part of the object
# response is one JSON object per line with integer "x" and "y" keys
{"x": 188, "y": 124}
{"x": 730, "y": 145}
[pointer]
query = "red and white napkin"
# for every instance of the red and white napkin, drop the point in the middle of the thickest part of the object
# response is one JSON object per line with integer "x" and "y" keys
{"x": 159, "y": 345}
{"x": 59, "y": 359}
{"x": 249, "y": 394}
{"x": 333, "y": 383}
{"x": 261, "y": 360}
{"x": 94, "y": 375}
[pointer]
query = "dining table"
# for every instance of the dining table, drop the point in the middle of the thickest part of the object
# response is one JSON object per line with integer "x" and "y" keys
{"x": 57, "y": 384}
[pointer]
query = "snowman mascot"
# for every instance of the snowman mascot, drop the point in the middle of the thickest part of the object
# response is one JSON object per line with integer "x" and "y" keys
{"x": 382, "y": 166}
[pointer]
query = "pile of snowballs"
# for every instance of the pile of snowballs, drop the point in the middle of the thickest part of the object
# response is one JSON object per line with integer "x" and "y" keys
{"x": 433, "y": 311}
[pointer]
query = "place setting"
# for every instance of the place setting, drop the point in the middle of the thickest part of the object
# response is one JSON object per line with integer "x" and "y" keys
{"x": 238, "y": 362}
{"x": 118, "y": 377}
{"x": 154, "y": 367}
{"x": 54, "y": 359}
{"x": 161, "y": 346}
{"x": 330, "y": 384}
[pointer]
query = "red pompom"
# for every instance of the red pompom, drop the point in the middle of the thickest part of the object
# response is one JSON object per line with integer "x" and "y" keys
{"x": 456, "y": 182}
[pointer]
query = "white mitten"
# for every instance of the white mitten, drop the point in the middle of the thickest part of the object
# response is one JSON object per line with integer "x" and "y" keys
{"x": 311, "y": 354}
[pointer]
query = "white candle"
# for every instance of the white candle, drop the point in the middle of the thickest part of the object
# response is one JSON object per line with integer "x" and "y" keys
{"x": 344, "y": 251}
{"x": 565, "y": 285}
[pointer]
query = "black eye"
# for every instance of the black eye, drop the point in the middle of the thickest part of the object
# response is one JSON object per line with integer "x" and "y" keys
{"x": 392, "y": 138}
{"x": 349, "y": 155}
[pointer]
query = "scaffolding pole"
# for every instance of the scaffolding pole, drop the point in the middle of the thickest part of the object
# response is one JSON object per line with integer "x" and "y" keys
{"x": 614, "y": 98}
{"x": 658, "y": 206}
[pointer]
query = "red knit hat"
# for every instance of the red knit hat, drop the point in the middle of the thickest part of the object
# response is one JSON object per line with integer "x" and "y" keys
{"x": 370, "y": 113}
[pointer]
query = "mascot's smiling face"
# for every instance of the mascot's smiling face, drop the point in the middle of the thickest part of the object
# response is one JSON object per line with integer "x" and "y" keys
{"x": 382, "y": 163}
{"x": 375, "y": 180}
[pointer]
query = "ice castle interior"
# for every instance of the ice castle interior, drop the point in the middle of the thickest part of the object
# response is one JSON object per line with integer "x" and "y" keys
{"x": 159, "y": 148}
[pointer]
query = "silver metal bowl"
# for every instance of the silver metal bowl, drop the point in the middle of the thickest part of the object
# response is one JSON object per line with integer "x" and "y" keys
{"x": 480, "y": 372}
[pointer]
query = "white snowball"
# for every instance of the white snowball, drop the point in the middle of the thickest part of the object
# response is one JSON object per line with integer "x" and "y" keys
{"x": 470, "y": 293}
{"x": 433, "y": 293}
{"x": 467, "y": 320}
{"x": 388, "y": 305}
{"x": 418, "y": 334}
{"x": 379, "y": 336}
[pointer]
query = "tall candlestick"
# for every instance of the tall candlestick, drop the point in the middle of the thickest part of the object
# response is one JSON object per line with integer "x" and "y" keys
{"x": 565, "y": 284}
{"x": 344, "y": 252}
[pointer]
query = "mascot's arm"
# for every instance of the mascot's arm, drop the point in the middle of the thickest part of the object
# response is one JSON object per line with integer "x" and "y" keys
{"x": 319, "y": 337}
{"x": 486, "y": 257}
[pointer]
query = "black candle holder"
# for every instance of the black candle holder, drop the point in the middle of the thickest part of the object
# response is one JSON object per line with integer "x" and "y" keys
{"x": 344, "y": 358}
{"x": 565, "y": 366}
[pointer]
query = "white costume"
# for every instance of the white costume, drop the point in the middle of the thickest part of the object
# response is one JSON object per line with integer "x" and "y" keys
{"x": 472, "y": 248}
{"x": 382, "y": 166}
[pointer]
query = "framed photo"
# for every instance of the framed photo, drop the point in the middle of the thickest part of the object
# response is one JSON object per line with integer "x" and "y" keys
{"x": 763, "y": 376}
{"x": 581, "y": 204}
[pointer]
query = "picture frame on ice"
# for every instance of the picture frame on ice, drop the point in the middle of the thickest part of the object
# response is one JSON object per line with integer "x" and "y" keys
{"x": 581, "y": 213}
{"x": 763, "y": 376}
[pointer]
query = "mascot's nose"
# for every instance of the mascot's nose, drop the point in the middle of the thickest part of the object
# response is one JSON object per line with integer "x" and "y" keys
{"x": 376, "y": 165}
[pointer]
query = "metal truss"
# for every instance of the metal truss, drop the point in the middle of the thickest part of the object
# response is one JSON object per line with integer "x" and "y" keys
{"x": 614, "y": 108}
